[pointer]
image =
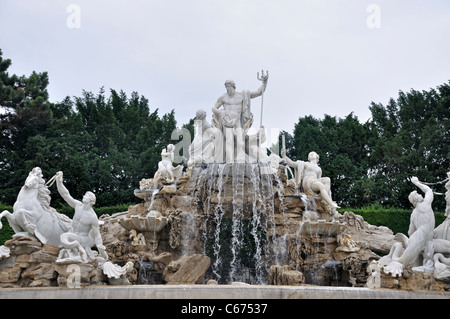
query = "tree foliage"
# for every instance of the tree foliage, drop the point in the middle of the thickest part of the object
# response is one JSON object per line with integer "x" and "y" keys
{"x": 108, "y": 143}
{"x": 104, "y": 144}
{"x": 373, "y": 162}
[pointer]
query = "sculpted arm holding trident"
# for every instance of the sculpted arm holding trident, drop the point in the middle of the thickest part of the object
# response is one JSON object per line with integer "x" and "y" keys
{"x": 236, "y": 118}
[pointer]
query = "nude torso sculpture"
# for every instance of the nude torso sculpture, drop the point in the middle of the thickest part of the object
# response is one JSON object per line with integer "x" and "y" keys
{"x": 85, "y": 232}
{"x": 235, "y": 118}
{"x": 309, "y": 175}
{"x": 420, "y": 242}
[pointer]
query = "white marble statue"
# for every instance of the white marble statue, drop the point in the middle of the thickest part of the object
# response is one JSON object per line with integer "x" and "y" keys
{"x": 441, "y": 241}
{"x": 258, "y": 152}
{"x": 85, "y": 232}
{"x": 4, "y": 252}
{"x": 309, "y": 176}
{"x": 374, "y": 278}
{"x": 447, "y": 195}
{"x": 167, "y": 174}
{"x": 441, "y": 236}
{"x": 207, "y": 146}
{"x": 117, "y": 274}
{"x": 235, "y": 118}
{"x": 165, "y": 166}
{"x": 419, "y": 245}
{"x": 32, "y": 215}
{"x": 137, "y": 239}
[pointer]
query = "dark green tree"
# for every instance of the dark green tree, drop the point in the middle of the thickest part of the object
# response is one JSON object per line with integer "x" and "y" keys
{"x": 409, "y": 137}
{"x": 26, "y": 112}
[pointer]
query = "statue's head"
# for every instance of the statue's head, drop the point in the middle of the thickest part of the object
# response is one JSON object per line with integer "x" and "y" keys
{"x": 37, "y": 171}
{"x": 415, "y": 198}
{"x": 170, "y": 148}
{"x": 200, "y": 115}
{"x": 89, "y": 198}
{"x": 312, "y": 156}
{"x": 230, "y": 83}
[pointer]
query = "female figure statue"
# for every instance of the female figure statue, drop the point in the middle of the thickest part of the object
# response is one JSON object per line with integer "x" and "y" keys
{"x": 309, "y": 176}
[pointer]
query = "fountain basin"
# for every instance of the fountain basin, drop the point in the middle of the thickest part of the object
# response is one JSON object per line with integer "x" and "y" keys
{"x": 216, "y": 292}
{"x": 144, "y": 194}
{"x": 153, "y": 222}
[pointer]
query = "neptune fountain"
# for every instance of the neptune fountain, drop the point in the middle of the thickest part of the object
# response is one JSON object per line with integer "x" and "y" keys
{"x": 236, "y": 213}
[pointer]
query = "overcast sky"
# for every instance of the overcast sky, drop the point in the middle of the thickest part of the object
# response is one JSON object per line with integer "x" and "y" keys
{"x": 323, "y": 56}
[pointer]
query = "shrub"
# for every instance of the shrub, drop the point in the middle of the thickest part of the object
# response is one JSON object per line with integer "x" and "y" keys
{"x": 394, "y": 218}
{"x": 6, "y": 232}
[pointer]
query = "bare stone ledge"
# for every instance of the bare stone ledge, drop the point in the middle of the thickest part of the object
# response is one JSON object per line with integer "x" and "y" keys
{"x": 215, "y": 292}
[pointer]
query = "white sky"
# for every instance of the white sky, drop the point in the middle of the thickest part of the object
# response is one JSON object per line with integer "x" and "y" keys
{"x": 322, "y": 56}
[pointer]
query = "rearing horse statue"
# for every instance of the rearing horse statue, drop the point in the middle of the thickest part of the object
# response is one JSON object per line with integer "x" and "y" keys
{"x": 32, "y": 215}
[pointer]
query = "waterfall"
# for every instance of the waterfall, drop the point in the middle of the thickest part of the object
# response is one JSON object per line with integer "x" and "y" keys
{"x": 310, "y": 211}
{"x": 239, "y": 232}
{"x": 144, "y": 269}
{"x": 211, "y": 184}
{"x": 280, "y": 247}
{"x": 156, "y": 191}
{"x": 189, "y": 232}
{"x": 298, "y": 242}
{"x": 237, "y": 177}
{"x": 256, "y": 219}
{"x": 218, "y": 217}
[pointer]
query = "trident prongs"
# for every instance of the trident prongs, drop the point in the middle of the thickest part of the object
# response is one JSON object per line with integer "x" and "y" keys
{"x": 263, "y": 76}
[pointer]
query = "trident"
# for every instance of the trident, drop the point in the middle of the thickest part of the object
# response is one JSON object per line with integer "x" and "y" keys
{"x": 262, "y": 78}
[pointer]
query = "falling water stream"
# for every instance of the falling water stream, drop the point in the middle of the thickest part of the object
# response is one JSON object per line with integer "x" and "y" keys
{"x": 280, "y": 242}
{"x": 237, "y": 178}
{"x": 218, "y": 217}
{"x": 256, "y": 220}
{"x": 240, "y": 233}
{"x": 239, "y": 221}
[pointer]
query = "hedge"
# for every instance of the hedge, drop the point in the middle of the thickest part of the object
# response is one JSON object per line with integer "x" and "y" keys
{"x": 6, "y": 232}
{"x": 396, "y": 219}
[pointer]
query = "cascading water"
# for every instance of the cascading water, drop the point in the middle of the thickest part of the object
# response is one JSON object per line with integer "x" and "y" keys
{"x": 144, "y": 269}
{"x": 280, "y": 241}
{"x": 152, "y": 202}
{"x": 239, "y": 232}
{"x": 218, "y": 217}
{"x": 314, "y": 249}
{"x": 310, "y": 211}
{"x": 237, "y": 178}
{"x": 298, "y": 243}
{"x": 188, "y": 234}
{"x": 150, "y": 209}
{"x": 211, "y": 184}
{"x": 256, "y": 220}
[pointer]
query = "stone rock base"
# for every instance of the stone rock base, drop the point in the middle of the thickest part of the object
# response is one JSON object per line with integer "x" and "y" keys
{"x": 33, "y": 264}
{"x": 187, "y": 270}
{"x": 30, "y": 264}
{"x": 285, "y": 275}
{"x": 79, "y": 275}
{"x": 414, "y": 281}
